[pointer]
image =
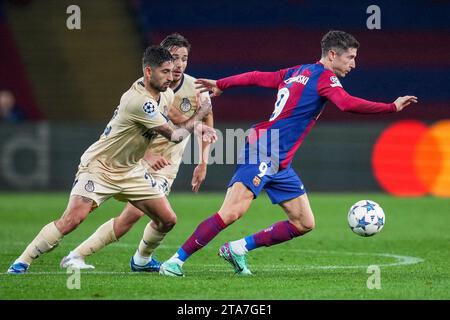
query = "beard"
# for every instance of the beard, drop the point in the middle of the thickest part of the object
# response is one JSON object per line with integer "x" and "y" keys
{"x": 157, "y": 86}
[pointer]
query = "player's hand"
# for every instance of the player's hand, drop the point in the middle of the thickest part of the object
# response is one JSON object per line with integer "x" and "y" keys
{"x": 404, "y": 101}
{"x": 207, "y": 85}
{"x": 207, "y": 133}
{"x": 156, "y": 162}
{"x": 198, "y": 176}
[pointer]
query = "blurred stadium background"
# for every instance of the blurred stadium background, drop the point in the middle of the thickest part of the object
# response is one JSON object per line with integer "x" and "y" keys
{"x": 67, "y": 83}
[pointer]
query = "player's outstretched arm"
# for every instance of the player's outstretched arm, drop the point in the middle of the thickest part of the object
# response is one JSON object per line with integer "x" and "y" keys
{"x": 330, "y": 88}
{"x": 253, "y": 78}
{"x": 403, "y": 102}
{"x": 199, "y": 174}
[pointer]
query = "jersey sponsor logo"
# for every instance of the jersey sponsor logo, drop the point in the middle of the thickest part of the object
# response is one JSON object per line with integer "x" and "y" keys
{"x": 149, "y": 109}
{"x": 89, "y": 187}
{"x": 300, "y": 79}
{"x": 335, "y": 82}
{"x": 185, "y": 105}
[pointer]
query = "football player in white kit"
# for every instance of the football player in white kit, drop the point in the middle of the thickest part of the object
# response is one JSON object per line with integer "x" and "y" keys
{"x": 162, "y": 161}
{"x": 112, "y": 167}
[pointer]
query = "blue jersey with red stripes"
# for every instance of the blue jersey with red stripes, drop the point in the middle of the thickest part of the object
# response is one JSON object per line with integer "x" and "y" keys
{"x": 297, "y": 108}
{"x": 302, "y": 93}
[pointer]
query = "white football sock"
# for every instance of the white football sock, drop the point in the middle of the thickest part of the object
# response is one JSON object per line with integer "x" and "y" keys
{"x": 176, "y": 260}
{"x": 238, "y": 246}
{"x": 140, "y": 260}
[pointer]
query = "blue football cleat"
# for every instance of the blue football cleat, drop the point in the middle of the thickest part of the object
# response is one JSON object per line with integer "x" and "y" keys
{"x": 18, "y": 268}
{"x": 152, "y": 266}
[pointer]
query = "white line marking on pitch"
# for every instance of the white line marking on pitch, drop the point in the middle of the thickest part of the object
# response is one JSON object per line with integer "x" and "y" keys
{"x": 401, "y": 261}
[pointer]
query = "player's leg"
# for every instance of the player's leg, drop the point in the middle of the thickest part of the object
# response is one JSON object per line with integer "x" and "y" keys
{"x": 236, "y": 203}
{"x": 109, "y": 232}
{"x": 144, "y": 260}
{"x": 126, "y": 220}
{"x": 163, "y": 220}
{"x": 50, "y": 235}
{"x": 286, "y": 189}
{"x": 300, "y": 221}
{"x": 300, "y": 214}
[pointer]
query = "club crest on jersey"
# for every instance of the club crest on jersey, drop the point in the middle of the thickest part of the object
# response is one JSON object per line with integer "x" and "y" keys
{"x": 89, "y": 187}
{"x": 185, "y": 105}
{"x": 256, "y": 181}
{"x": 335, "y": 82}
{"x": 149, "y": 108}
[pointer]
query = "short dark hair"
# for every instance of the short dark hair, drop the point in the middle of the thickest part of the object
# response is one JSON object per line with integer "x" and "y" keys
{"x": 175, "y": 40}
{"x": 339, "y": 41}
{"x": 155, "y": 56}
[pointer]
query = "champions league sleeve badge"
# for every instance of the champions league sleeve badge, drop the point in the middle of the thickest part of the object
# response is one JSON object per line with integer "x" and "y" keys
{"x": 149, "y": 108}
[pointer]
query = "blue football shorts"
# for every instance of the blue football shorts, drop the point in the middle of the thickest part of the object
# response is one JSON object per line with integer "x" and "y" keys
{"x": 281, "y": 186}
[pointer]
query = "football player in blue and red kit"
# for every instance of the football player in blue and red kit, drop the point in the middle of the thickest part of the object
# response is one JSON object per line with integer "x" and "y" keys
{"x": 265, "y": 161}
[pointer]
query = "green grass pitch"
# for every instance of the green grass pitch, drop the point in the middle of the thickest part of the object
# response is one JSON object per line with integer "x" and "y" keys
{"x": 412, "y": 252}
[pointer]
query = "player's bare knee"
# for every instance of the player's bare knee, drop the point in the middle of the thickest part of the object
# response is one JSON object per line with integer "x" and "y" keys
{"x": 229, "y": 217}
{"x": 305, "y": 225}
{"x": 167, "y": 224}
{"x": 308, "y": 225}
